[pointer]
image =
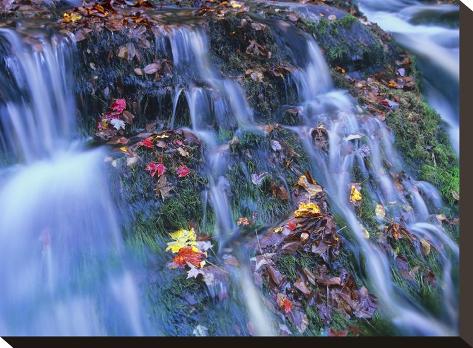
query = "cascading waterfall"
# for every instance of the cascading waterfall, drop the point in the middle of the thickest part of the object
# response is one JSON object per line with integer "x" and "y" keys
{"x": 436, "y": 44}
{"x": 63, "y": 269}
{"x": 215, "y": 103}
{"x": 357, "y": 139}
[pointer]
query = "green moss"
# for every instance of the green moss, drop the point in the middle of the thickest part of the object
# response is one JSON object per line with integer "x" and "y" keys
{"x": 419, "y": 135}
{"x": 288, "y": 265}
{"x": 347, "y": 20}
{"x": 348, "y": 43}
{"x": 181, "y": 210}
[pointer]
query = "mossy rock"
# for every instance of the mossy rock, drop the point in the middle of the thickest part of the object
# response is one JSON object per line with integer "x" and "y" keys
{"x": 350, "y": 44}
{"x": 420, "y": 136}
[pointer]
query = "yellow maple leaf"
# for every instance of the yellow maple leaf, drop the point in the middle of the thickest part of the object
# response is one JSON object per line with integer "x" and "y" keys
{"x": 307, "y": 209}
{"x": 182, "y": 238}
{"x": 355, "y": 194}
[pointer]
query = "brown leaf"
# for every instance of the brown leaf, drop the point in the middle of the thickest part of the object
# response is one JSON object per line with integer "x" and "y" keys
{"x": 300, "y": 284}
{"x": 163, "y": 188}
{"x": 275, "y": 275}
{"x": 128, "y": 117}
{"x": 291, "y": 247}
{"x": 151, "y": 68}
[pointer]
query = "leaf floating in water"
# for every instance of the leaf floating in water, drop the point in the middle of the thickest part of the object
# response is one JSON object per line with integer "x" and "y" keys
{"x": 353, "y": 137}
{"x": 243, "y": 221}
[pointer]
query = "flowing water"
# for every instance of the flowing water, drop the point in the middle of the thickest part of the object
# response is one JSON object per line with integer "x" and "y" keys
{"x": 216, "y": 104}
{"x": 64, "y": 265}
{"x": 357, "y": 139}
{"x": 431, "y": 32}
{"x": 62, "y": 270}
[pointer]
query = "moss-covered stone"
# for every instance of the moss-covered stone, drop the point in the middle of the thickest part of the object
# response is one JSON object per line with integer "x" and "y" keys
{"x": 420, "y": 136}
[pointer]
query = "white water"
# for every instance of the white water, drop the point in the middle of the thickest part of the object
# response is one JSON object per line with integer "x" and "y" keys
{"x": 215, "y": 103}
{"x": 336, "y": 112}
{"x": 63, "y": 270}
{"x": 436, "y": 45}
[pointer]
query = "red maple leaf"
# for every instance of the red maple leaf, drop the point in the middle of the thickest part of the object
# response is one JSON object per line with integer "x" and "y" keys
{"x": 292, "y": 225}
{"x": 284, "y": 303}
{"x": 187, "y": 255}
{"x": 148, "y": 143}
{"x": 154, "y": 168}
{"x": 183, "y": 171}
{"x": 119, "y": 106}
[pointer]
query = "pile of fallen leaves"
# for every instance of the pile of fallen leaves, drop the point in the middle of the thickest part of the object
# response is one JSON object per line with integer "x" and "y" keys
{"x": 188, "y": 252}
{"x": 111, "y": 125}
{"x": 191, "y": 254}
{"x": 162, "y": 154}
{"x": 220, "y": 8}
{"x": 374, "y": 91}
{"x": 113, "y": 15}
{"x": 310, "y": 231}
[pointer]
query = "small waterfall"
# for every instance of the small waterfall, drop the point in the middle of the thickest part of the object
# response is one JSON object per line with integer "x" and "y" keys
{"x": 63, "y": 269}
{"x": 436, "y": 45}
{"x": 355, "y": 139}
{"x": 215, "y": 104}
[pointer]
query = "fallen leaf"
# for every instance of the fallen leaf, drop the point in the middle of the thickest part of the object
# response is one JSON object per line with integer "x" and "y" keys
{"x": 182, "y": 171}
{"x": 117, "y": 123}
{"x": 308, "y": 209}
{"x": 189, "y": 255}
{"x": 200, "y": 330}
{"x": 300, "y": 284}
{"x": 425, "y": 247}
{"x": 151, "y": 68}
{"x": 163, "y": 189}
{"x": 154, "y": 168}
{"x": 312, "y": 188}
{"x": 380, "y": 212}
{"x": 193, "y": 272}
{"x": 182, "y": 152}
{"x": 355, "y": 194}
{"x": 182, "y": 238}
{"x": 275, "y": 145}
{"x": 71, "y": 17}
{"x": 257, "y": 179}
{"x": 284, "y": 303}
{"x": 119, "y": 106}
